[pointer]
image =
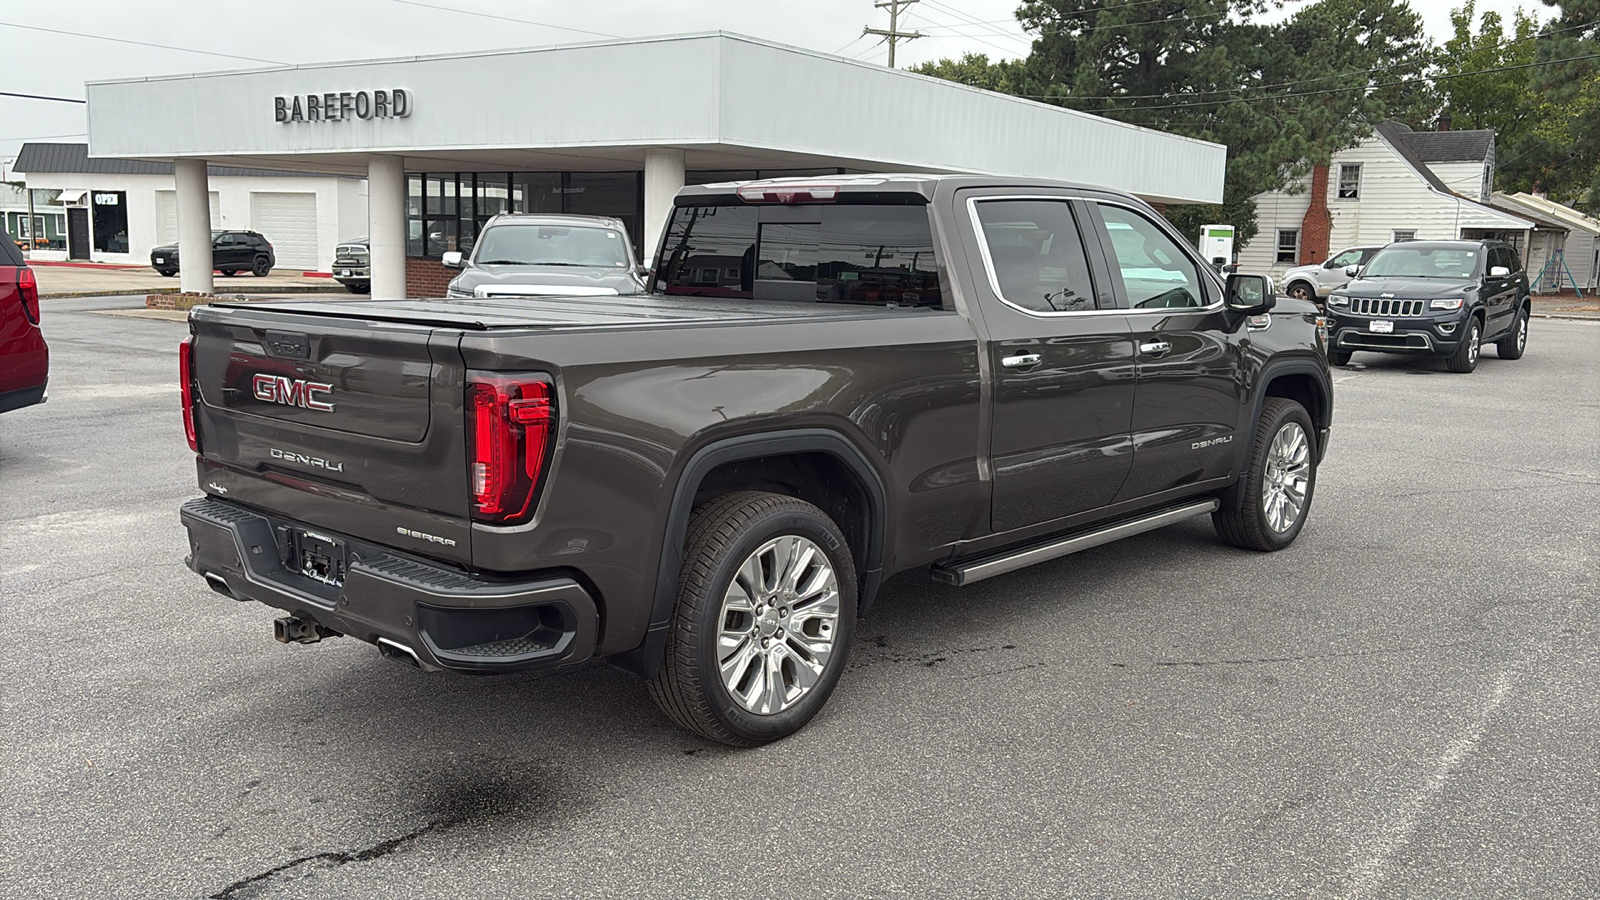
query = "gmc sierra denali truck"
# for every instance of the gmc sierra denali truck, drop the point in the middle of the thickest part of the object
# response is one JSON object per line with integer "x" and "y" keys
{"x": 830, "y": 381}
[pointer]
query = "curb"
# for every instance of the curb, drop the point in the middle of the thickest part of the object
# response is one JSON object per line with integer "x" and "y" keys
{"x": 67, "y": 295}
{"x": 1576, "y": 317}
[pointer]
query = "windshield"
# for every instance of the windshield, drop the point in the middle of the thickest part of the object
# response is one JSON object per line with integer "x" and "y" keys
{"x": 1422, "y": 262}
{"x": 551, "y": 245}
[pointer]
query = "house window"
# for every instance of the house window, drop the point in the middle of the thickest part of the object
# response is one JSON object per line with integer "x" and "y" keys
{"x": 1488, "y": 183}
{"x": 1288, "y": 245}
{"x": 1410, "y": 235}
{"x": 1350, "y": 182}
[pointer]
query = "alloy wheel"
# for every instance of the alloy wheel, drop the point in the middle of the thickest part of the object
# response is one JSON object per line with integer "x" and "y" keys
{"x": 1287, "y": 477}
{"x": 1474, "y": 346}
{"x": 778, "y": 623}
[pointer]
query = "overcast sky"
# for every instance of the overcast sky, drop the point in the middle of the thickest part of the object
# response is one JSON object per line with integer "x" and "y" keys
{"x": 302, "y": 31}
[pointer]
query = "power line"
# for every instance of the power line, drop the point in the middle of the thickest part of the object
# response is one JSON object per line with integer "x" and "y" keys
{"x": 483, "y": 15}
{"x": 1006, "y": 50}
{"x": 101, "y": 37}
{"x": 894, "y": 34}
{"x": 45, "y": 137}
{"x": 41, "y": 97}
{"x": 1362, "y": 87}
{"x": 963, "y": 17}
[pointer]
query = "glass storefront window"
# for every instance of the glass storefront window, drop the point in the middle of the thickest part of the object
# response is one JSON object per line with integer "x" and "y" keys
{"x": 110, "y": 212}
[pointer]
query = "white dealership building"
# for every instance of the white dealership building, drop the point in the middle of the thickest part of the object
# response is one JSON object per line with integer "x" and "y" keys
{"x": 610, "y": 128}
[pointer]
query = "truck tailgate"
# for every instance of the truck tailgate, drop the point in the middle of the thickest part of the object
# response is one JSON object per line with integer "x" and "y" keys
{"x": 355, "y": 425}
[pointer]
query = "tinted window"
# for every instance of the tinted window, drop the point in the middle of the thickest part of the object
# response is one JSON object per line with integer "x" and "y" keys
{"x": 1155, "y": 272}
{"x": 1037, "y": 253}
{"x": 1411, "y": 261}
{"x": 845, "y": 254}
{"x": 9, "y": 254}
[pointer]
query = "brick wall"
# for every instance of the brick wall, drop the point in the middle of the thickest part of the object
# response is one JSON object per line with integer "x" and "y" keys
{"x": 1317, "y": 227}
{"x": 427, "y": 278}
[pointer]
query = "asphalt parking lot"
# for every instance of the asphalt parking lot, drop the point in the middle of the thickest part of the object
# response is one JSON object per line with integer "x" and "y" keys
{"x": 1405, "y": 703}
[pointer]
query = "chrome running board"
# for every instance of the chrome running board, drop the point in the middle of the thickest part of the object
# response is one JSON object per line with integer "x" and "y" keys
{"x": 963, "y": 572}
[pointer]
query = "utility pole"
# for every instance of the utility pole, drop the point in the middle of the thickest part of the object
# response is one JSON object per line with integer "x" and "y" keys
{"x": 894, "y": 33}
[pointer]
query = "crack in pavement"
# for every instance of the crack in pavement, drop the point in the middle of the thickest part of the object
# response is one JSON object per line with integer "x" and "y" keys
{"x": 1354, "y": 654}
{"x": 335, "y": 857}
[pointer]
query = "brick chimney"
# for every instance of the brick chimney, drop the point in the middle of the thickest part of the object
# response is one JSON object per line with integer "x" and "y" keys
{"x": 1316, "y": 227}
{"x": 1444, "y": 122}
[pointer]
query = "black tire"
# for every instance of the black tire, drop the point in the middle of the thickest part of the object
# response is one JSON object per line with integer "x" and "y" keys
{"x": 1339, "y": 357}
{"x": 229, "y": 272}
{"x": 1301, "y": 290}
{"x": 1250, "y": 527}
{"x": 167, "y": 273}
{"x": 358, "y": 288}
{"x": 1515, "y": 343}
{"x": 261, "y": 267}
{"x": 723, "y": 535}
{"x": 1465, "y": 359}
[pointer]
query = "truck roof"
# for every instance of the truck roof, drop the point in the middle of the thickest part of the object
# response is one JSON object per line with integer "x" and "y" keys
{"x": 921, "y": 183}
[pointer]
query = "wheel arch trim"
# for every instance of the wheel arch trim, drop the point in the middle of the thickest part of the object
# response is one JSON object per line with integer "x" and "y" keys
{"x": 646, "y": 659}
{"x": 1233, "y": 497}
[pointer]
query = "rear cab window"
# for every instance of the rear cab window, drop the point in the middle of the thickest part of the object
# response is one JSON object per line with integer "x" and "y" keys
{"x": 1036, "y": 255}
{"x": 853, "y": 253}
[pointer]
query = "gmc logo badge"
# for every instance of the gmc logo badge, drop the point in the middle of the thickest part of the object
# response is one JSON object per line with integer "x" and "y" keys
{"x": 291, "y": 391}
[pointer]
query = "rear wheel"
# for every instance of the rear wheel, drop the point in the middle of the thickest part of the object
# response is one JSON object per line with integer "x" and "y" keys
{"x": 229, "y": 272}
{"x": 1514, "y": 343}
{"x": 1280, "y": 483}
{"x": 358, "y": 288}
{"x": 167, "y": 273}
{"x": 1300, "y": 290}
{"x": 765, "y": 615}
{"x": 261, "y": 267}
{"x": 1465, "y": 359}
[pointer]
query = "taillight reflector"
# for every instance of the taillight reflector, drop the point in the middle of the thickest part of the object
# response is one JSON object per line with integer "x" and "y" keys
{"x": 788, "y": 193}
{"x": 186, "y": 383}
{"x": 28, "y": 289}
{"x": 510, "y": 422}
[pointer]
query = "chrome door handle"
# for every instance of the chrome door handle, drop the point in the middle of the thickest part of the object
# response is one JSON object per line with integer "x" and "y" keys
{"x": 1020, "y": 360}
{"x": 1155, "y": 348}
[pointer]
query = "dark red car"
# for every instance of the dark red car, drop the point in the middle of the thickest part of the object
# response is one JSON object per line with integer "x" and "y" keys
{"x": 24, "y": 358}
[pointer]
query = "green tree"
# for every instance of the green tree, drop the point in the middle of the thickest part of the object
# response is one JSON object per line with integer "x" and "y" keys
{"x": 1562, "y": 153}
{"x": 974, "y": 69}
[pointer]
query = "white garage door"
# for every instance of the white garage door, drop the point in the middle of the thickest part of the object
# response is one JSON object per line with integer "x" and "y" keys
{"x": 289, "y": 222}
{"x": 167, "y": 216}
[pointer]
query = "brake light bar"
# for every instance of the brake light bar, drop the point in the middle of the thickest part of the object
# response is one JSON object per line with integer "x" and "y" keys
{"x": 186, "y": 383}
{"x": 511, "y": 420}
{"x": 28, "y": 289}
{"x": 788, "y": 193}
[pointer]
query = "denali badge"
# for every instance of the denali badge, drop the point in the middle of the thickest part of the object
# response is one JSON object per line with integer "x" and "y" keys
{"x": 315, "y": 462}
{"x": 1197, "y": 445}
{"x": 291, "y": 391}
{"x": 424, "y": 536}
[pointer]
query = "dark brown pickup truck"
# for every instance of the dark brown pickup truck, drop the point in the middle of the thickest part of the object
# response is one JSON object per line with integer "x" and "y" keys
{"x": 832, "y": 381}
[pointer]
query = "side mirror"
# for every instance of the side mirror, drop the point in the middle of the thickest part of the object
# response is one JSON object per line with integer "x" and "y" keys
{"x": 1498, "y": 271}
{"x": 451, "y": 259}
{"x": 1250, "y": 294}
{"x": 1351, "y": 271}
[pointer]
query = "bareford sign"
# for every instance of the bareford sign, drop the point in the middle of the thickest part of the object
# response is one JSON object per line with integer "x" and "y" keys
{"x": 337, "y": 107}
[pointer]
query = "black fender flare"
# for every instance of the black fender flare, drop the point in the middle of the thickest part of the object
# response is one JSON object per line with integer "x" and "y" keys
{"x": 1233, "y": 498}
{"x": 646, "y": 659}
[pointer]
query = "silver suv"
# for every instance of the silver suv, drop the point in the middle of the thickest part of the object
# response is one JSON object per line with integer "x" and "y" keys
{"x": 520, "y": 255}
{"x": 1318, "y": 281}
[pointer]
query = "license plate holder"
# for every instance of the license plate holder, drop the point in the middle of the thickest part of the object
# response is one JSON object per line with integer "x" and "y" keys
{"x": 1382, "y": 326}
{"x": 319, "y": 557}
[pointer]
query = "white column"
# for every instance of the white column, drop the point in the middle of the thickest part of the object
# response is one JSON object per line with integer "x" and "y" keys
{"x": 386, "y": 226}
{"x": 194, "y": 226}
{"x": 663, "y": 178}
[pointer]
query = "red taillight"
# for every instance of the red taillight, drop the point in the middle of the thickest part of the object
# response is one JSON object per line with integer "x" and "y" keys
{"x": 510, "y": 420}
{"x": 186, "y": 383}
{"x": 28, "y": 289}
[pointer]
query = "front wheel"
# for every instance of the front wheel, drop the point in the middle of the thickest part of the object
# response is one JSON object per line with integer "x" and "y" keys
{"x": 1301, "y": 291}
{"x": 1280, "y": 483}
{"x": 1338, "y": 357}
{"x": 167, "y": 273}
{"x": 260, "y": 267}
{"x": 1512, "y": 345}
{"x": 765, "y": 615}
{"x": 1465, "y": 359}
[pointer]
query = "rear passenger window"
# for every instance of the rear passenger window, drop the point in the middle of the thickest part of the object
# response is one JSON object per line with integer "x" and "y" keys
{"x": 1155, "y": 272}
{"x": 1036, "y": 253}
{"x": 865, "y": 254}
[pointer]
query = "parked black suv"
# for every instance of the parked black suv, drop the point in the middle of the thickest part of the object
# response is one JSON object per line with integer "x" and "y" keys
{"x": 1435, "y": 298}
{"x": 232, "y": 252}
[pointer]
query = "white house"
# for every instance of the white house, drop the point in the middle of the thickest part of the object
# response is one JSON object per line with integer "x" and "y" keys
{"x": 1581, "y": 254}
{"x": 117, "y": 210}
{"x": 1397, "y": 185}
